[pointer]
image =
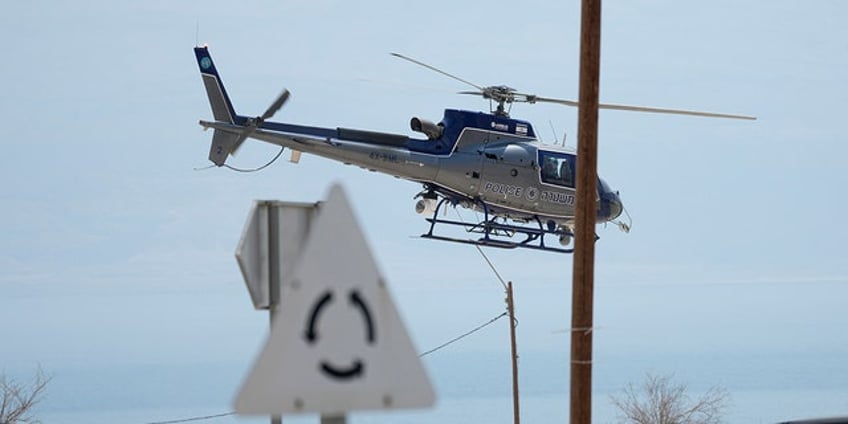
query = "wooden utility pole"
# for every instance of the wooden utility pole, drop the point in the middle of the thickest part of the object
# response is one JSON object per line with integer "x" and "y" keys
{"x": 584, "y": 227}
{"x": 510, "y": 305}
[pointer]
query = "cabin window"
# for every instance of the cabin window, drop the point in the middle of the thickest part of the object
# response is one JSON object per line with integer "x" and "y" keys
{"x": 557, "y": 168}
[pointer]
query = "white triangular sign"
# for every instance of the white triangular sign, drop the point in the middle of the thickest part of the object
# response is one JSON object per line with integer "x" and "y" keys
{"x": 337, "y": 343}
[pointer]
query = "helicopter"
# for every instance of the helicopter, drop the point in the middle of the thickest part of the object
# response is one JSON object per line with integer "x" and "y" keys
{"x": 487, "y": 162}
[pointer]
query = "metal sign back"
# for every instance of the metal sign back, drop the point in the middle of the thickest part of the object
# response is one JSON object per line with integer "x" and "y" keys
{"x": 252, "y": 255}
{"x": 260, "y": 233}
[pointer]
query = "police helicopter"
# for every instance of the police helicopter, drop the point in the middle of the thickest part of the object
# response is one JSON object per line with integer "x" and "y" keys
{"x": 487, "y": 162}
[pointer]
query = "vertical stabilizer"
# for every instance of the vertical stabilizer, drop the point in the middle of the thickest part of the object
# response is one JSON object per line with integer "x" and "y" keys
{"x": 222, "y": 108}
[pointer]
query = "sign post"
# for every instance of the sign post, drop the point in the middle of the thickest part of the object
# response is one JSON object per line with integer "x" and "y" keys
{"x": 268, "y": 249}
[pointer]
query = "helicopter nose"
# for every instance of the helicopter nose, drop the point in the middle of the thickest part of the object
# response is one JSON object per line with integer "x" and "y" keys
{"x": 615, "y": 206}
{"x": 610, "y": 205}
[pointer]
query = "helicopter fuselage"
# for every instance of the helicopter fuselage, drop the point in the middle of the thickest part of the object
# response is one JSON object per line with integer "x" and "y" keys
{"x": 485, "y": 161}
{"x": 476, "y": 157}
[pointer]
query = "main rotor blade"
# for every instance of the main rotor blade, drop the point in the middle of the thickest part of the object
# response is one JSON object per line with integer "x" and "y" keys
{"x": 482, "y": 93}
{"x": 515, "y": 96}
{"x": 675, "y": 111}
{"x": 509, "y": 96}
{"x": 557, "y": 101}
{"x": 433, "y": 68}
{"x": 644, "y": 109}
{"x": 278, "y": 103}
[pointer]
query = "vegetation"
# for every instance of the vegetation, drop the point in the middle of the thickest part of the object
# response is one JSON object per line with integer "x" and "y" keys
{"x": 660, "y": 401}
{"x": 18, "y": 400}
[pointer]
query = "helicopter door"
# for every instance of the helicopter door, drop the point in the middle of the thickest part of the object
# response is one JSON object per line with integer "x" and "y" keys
{"x": 555, "y": 177}
{"x": 507, "y": 173}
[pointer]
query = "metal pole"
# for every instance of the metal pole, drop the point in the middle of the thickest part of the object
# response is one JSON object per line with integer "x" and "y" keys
{"x": 511, "y": 309}
{"x": 584, "y": 227}
{"x": 333, "y": 419}
{"x": 274, "y": 274}
{"x": 284, "y": 250}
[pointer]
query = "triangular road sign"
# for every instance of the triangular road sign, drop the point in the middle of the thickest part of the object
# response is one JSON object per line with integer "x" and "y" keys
{"x": 337, "y": 343}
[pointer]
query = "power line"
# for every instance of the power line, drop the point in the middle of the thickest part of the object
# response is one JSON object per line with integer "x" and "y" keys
{"x": 456, "y": 339}
{"x": 483, "y": 254}
{"x": 185, "y": 420}
{"x": 441, "y": 346}
{"x": 491, "y": 265}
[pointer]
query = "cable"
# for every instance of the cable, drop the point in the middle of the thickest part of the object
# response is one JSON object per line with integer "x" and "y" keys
{"x": 261, "y": 167}
{"x": 442, "y": 346}
{"x": 233, "y": 168}
{"x": 456, "y": 339}
{"x": 491, "y": 266}
{"x": 185, "y": 420}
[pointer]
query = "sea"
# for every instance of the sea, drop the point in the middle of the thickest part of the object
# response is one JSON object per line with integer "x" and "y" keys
{"x": 471, "y": 387}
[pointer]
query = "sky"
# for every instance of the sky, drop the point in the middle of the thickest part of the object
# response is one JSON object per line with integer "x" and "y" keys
{"x": 118, "y": 254}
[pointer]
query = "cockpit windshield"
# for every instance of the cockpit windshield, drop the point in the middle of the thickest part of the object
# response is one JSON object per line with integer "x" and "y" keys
{"x": 557, "y": 168}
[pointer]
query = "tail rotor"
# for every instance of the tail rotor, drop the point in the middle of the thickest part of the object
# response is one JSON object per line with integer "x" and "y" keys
{"x": 253, "y": 124}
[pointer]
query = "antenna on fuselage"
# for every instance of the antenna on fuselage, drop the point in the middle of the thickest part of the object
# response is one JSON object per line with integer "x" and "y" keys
{"x": 556, "y": 137}
{"x": 553, "y": 130}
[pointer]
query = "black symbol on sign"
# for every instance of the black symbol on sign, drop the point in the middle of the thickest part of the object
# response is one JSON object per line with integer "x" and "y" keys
{"x": 357, "y": 367}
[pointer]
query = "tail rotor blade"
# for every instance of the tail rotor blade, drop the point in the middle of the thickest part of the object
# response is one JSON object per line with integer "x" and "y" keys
{"x": 254, "y": 123}
{"x": 278, "y": 103}
{"x": 241, "y": 138}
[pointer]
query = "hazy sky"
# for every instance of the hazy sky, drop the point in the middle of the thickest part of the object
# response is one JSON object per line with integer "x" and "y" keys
{"x": 114, "y": 250}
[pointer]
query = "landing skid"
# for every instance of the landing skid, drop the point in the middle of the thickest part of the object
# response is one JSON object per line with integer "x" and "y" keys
{"x": 495, "y": 233}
